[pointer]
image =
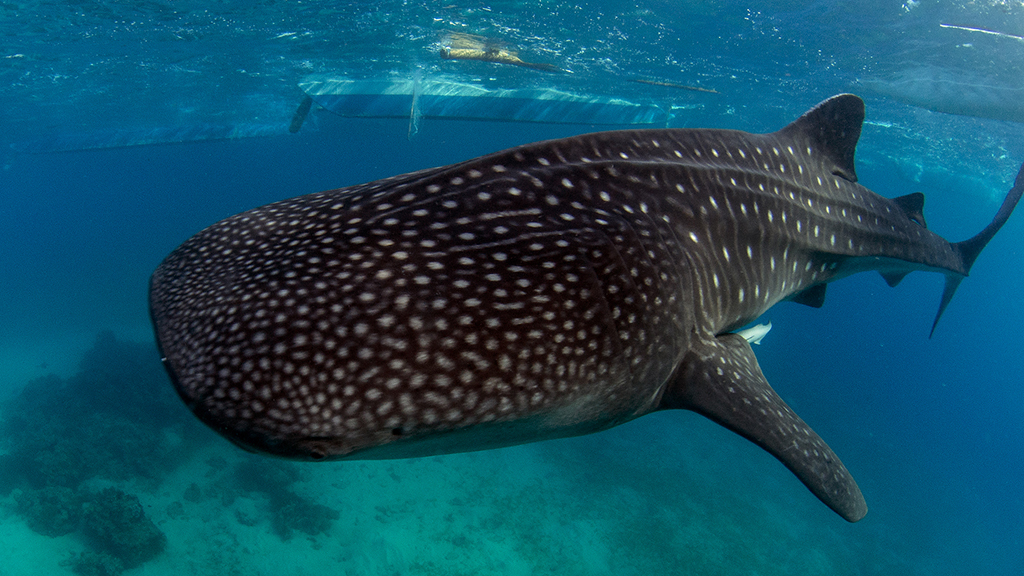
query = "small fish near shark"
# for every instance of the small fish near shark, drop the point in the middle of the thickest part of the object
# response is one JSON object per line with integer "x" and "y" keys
{"x": 551, "y": 290}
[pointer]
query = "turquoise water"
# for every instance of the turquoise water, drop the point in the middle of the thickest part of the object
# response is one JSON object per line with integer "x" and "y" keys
{"x": 103, "y": 470}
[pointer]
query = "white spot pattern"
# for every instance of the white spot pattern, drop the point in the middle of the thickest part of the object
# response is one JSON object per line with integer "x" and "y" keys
{"x": 556, "y": 279}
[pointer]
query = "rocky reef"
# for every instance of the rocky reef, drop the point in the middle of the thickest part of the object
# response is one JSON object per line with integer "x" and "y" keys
{"x": 114, "y": 523}
{"x": 116, "y": 419}
{"x": 118, "y": 422}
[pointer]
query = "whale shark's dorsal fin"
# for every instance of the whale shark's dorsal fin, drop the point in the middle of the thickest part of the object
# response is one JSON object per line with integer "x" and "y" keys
{"x": 831, "y": 128}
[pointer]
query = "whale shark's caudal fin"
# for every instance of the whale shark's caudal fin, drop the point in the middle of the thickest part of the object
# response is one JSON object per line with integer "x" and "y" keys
{"x": 970, "y": 248}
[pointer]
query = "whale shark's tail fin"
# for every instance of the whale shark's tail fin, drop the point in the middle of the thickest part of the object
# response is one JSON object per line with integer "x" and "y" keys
{"x": 970, "y": 248}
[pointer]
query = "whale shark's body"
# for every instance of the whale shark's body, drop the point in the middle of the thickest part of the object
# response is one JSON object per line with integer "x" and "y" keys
{"x": 554, "y": 289}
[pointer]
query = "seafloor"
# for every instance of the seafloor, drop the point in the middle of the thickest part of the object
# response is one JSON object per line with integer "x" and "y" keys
{"x": 106, "y": 471}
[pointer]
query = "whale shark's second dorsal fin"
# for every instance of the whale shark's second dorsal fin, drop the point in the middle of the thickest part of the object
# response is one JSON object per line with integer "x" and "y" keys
{"x": 831, "y": 128}
{"x": 913, "y": 206}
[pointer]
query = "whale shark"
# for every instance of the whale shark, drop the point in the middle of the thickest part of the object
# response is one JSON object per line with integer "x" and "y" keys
{"x": 555, "y": 289}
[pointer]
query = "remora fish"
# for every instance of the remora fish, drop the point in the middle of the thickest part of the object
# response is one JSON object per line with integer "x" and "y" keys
{"x": 555, "y": 289}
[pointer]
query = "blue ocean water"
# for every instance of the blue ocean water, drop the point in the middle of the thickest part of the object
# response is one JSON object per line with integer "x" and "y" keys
{"x": 106, "y": 165}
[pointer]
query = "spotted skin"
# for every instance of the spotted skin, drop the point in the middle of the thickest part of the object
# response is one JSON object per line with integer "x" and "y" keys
{"x": 555, "y": 289}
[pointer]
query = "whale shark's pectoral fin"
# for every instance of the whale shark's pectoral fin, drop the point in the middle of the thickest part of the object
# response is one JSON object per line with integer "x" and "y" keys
{"x": 722, "y": 381}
